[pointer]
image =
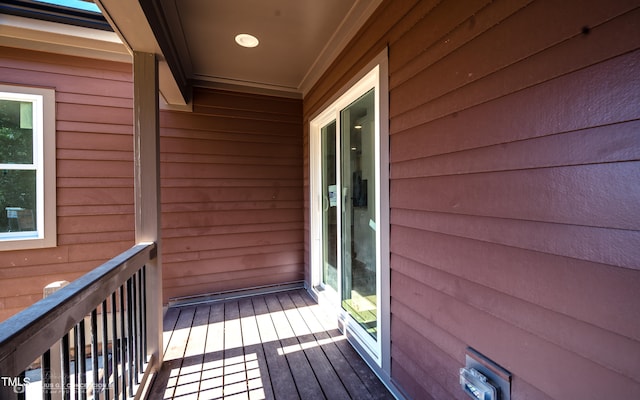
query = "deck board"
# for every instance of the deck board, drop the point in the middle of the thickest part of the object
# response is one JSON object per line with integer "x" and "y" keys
{"x": 318, "y": 360}
{"x": 348, "y": 377}
{"x": 306, "y": 382}
{"x": 370, "y": 381}
{"x": 259, "y": 387}
{"x": 168, "y": 325}
{"x": 279, "y": 346}
{"x": 278, "y": 368}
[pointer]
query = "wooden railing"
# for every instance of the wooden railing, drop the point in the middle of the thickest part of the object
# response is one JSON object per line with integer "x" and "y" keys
{"x": 108, "y": 359}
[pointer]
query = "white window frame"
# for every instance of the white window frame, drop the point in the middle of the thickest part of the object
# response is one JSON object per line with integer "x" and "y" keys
{"x": 44, "y": 163}
{"x": 374, "y": 75}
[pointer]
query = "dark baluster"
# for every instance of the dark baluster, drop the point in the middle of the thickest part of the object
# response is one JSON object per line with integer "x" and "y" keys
{"x": 141, "y": 354}
{"x": 114, "y": 344}
{"x": 65, "y": 361}
{"x": 130, "y": 345}
{"x": 76, "y": 366}
{"x": 144, "y": 313}
{"x": 81, "y": 357}
{"x": 21, "y": 389}
{"x": 94, "y": 352}
{"x": 123, "y": 354}
{"x": 105, "y": 352}
{"x": 46, "y": 375}
{"x": 134, "y": 320}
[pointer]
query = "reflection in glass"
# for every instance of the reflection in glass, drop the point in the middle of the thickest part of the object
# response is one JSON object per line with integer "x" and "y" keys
{"x": 358, "y": 212}
{"x": 17, "y": 200}
{"x": 16, "y": 132}
{"x": 17, "y": 173}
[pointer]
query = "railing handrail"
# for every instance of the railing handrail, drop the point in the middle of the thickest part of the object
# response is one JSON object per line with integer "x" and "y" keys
{"x": 28, "y": 334}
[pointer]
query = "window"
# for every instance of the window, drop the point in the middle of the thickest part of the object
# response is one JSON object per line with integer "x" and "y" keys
{"x": 27, "y": 168}
{"x": 71, "y": 12}
{"x": 83, "y": 5}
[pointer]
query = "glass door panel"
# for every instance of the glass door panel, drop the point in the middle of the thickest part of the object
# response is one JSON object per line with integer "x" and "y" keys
{"x": 359, "y": 278}
{"x": 329, "y": 207}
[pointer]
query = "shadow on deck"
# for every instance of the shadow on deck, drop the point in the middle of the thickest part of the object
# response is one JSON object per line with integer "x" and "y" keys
{"x": 277, "y": 346}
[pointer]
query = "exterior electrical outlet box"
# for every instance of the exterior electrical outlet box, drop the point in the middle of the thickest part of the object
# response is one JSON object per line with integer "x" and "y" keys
{"x": 483, "y": 379}
{"x": 476, "y": 386}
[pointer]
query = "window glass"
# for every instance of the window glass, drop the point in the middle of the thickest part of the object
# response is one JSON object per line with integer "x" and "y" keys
{"x": 18, "y": 188}
{"x": 18, "y": 200}
{"x": 81, "y": 13}
{"x": 75, "y": 4}
{"x": 16, "y": 132}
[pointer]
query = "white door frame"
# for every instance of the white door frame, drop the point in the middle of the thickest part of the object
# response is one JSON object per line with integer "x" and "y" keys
{"x": 374, "y": 75}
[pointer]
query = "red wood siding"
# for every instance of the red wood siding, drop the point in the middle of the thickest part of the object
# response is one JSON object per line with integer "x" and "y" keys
{"x": 515, "y": 203}
{"x": 231, "y": 193}
{"x": 95, "y": 218}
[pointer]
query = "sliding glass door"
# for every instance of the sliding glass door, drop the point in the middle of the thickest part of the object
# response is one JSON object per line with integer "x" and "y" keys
{"x": 349, "y": 210}
{"x": 348, "y": 215}
{"x": 345, "y": 221}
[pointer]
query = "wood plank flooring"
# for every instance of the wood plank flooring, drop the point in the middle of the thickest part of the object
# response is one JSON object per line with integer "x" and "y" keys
{"x": 277, "y": 346}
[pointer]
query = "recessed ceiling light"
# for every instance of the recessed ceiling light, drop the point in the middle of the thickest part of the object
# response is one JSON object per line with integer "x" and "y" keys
{"x": 246, "y": 40}
{"x": 358, "y": 126}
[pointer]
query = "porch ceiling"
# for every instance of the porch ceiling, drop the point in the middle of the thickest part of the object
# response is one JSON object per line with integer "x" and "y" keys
{"x": 298, "y": 39}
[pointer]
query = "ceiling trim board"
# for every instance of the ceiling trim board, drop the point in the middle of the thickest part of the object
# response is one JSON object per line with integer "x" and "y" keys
{"x": 130, "y": 23}
{"x": 176, "y": 56}
{"x": 246, "y": 87}
{"x": 53, "y": 37}
{"x": 358, "y": 15}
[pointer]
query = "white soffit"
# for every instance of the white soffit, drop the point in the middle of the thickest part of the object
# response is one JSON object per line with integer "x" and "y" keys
{"x": 299, "y": 39}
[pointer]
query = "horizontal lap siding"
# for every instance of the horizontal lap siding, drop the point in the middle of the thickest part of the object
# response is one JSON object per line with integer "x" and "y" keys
{"x": 231, "y": 199}
{"x": 231, "y": 178}
{"x": 515, "y": 140}
{"x": 94, "y": 125}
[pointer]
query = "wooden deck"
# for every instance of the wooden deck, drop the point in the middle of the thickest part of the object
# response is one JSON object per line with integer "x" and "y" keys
{"x": 277, "y": 346}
